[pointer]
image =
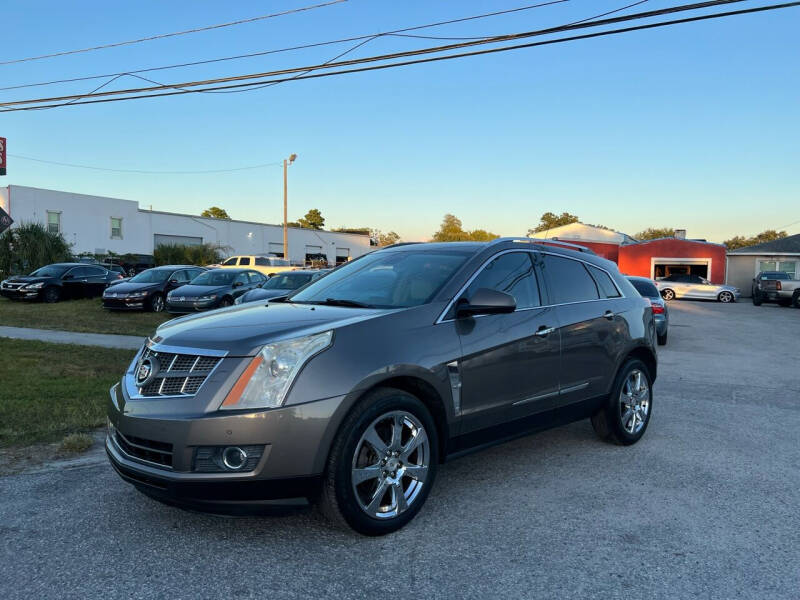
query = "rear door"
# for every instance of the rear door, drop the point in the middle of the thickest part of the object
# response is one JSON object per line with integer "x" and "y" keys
{"x": 588, "y": 328}
{"x": 510, "y": 362}
{"x": 96, "y": 280}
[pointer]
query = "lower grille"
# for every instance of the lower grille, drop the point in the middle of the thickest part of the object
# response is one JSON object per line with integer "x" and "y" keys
{"x": 158, "y": 453}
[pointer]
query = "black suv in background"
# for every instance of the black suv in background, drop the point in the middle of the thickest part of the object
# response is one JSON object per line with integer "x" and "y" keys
{"x": 148, "y": 290}
{"x": 59, "y": 281}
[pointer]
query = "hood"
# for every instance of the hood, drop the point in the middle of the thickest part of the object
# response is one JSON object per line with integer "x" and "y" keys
{"x": 126, "y": 287}
{"x": 260, "y": 294}
{"x": 192, "y": 291}
{"x": 28, "y": 279}
{"x": 243, "y": 329}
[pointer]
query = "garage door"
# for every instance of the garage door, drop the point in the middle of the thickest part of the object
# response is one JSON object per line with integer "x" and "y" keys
{"x": 162, "y": 239}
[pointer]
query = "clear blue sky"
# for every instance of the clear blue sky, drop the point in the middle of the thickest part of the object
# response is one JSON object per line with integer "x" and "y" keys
{"x": 693, "y": 126}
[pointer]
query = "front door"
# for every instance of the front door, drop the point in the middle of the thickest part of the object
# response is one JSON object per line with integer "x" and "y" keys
{"x": 508, "y": 360}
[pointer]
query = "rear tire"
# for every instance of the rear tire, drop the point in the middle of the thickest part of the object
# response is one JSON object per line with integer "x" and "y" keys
{"x": 662, "y": 339}
{"x": 51, "y": 295}
{"x": 796, "y": 299}
{"x": 668, "y": 294}
{"x": 395, "y": 481}
{"x": 626, "y": 414}
{"x": 757, "y": 298}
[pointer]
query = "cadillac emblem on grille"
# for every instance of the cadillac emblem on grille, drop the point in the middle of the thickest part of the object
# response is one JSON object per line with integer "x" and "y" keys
{"x": 146, "y": 370}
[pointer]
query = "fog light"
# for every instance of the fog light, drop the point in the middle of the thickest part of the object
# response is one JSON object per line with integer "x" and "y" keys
{"x": 234, "y": 458}
{"x": 224, "y": 459}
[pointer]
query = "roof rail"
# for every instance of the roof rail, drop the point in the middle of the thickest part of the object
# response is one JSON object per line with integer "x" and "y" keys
{"x": 398, "y": 244}
{"x": 547, "y": 242}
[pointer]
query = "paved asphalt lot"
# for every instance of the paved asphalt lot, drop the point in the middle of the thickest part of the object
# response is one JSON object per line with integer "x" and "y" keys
{"x": 706, "y": 505}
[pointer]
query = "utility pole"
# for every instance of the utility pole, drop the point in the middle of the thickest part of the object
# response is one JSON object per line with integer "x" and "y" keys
{"x": 286, "y": 163}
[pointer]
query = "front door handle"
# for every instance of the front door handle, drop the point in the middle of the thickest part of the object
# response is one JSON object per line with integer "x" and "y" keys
{"x": 608, "y": 315}
{"x": 544, "y": 331}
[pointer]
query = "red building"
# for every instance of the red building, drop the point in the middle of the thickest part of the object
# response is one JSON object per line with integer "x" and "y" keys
{"x": 665, "y": 256}
{"x": 654, "y": 258}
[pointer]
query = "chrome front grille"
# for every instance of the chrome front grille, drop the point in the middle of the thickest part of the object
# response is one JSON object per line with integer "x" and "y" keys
{"x": 178, "y": 374}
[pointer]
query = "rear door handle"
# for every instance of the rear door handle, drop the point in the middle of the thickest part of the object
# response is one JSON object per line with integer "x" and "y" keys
{"x": 608, "y": 315}
{"x": 544, "y": 331}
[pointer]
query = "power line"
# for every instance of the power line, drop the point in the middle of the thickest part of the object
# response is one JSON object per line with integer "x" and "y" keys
{"x": 140, "y": 171}
{"x": 393, "y": 33}
{"x": 384, "y": 57}
{"x": 173, "y": 34}
{"x": 430, "y": 59}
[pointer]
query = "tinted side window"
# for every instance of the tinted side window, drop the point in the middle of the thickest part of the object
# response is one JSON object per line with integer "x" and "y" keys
{"x": 256, "y": 277}
{"x": 510, "y": 273}
{"x": 645, "y": 288}
{"x": 261, "y": 261}
{"x": 241, "y": 278}
{"x": 180, "y": 276}
{"x": 95, "y": 272}
{"x": 230, "y": 262}
{"x": 569, "y": 280}
{"x": 607, "y": 287}
{"x": 244, "y": 261}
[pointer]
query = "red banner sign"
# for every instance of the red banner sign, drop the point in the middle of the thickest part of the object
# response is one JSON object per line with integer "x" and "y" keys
{"x": 2, "y": 156}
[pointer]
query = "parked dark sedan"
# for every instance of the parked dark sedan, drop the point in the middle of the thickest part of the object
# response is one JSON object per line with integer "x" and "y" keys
{"x": 647, "y": 289}
{"x": 281, "y": 284}
{"x": 213, "y": 289}
{"x": 58, "y": 282}
{"x": 148, "y": 290}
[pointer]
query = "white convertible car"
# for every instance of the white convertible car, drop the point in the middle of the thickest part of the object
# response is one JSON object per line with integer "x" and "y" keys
{"x": 694, "y": 286}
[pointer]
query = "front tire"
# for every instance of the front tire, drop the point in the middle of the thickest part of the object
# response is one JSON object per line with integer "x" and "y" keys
{"x": 625, "y": 416}
{"x": 226, "y": 302}
{"x": 157, "y": 303}
{"x": 382, "y": 464}
{"x": 757, "y": 298}
{"x": 668, "y": 294}
{"x": 725, "y": 297}
{"x": 796, "y": 299}
{"x": 51, "y": 295}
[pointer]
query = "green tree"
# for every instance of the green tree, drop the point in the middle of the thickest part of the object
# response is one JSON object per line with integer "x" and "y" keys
{"x": 379, "y": 238}
{"x": 194, "y": 254}
{"x": 29, "y": 246}
{"x": 312, "y": 220}
{"x": 740, "y": 241}
{"x": 653, "y": 233}
{"x": 215, "y": 212}
{"x": 551, "y": 220}
{"x": 452, "y": 230}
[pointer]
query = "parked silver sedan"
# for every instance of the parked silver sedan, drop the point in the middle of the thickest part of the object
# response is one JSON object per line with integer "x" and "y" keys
{"x": 694, "y": 286}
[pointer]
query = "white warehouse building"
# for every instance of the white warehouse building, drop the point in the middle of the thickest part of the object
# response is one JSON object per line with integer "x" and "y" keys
{"x": 99, "y": 225}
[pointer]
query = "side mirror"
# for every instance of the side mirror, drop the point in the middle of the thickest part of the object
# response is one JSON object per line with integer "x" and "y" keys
{"x": 486, "y": 302}
{"x": 174, "y": 281}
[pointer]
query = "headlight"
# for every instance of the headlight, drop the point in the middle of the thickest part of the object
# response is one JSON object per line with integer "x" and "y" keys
{"x": 267, "y": 378}
{"x": 137, "y": 294}
{"x": 34, "y": 286}
{"x": 207, "y": 298}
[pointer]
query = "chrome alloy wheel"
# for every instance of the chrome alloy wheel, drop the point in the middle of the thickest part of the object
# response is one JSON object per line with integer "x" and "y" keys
{"x": 390, "y": 464}
{"x": 725, "y": 297}
{"x": 668, "y": 295}
{"x": 158, "y": 303}
{"x": 634, "y": 402}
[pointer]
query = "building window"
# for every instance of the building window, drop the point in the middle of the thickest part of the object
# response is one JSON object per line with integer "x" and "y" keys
{"x": 116, "y": 228}
{"x": 53, "y": 221}
{"x": 789, "y": 267}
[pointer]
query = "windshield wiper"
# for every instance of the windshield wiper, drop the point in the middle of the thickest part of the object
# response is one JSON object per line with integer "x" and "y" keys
{"x": 345, "y": 302}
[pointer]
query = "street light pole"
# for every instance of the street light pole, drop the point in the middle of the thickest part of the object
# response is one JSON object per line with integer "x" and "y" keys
{"x": 286, "y": 163}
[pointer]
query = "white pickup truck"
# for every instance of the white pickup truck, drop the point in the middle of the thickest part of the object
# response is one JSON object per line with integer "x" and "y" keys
{"x": 776, "y": 286}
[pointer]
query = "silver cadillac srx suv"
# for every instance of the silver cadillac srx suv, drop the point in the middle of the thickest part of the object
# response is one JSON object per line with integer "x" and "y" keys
{"x": 350, "y": 391}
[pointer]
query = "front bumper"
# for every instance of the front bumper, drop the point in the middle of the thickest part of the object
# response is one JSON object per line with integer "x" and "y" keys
{"x": 296, "y": 440}
{"x": 20, "y": 293}
{"x": 124, "y": 303}
{"x": 177, "y": 307}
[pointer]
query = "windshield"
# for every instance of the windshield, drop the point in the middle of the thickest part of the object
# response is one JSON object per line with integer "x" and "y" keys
{"x": 287, "y": 281}
{"x": 645, "y": 288}
{"x": 151, "y": 276}
{"x": 49, "y": 271}
{"x": 384, "y": 279}
{"x": 215, "y": 278}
